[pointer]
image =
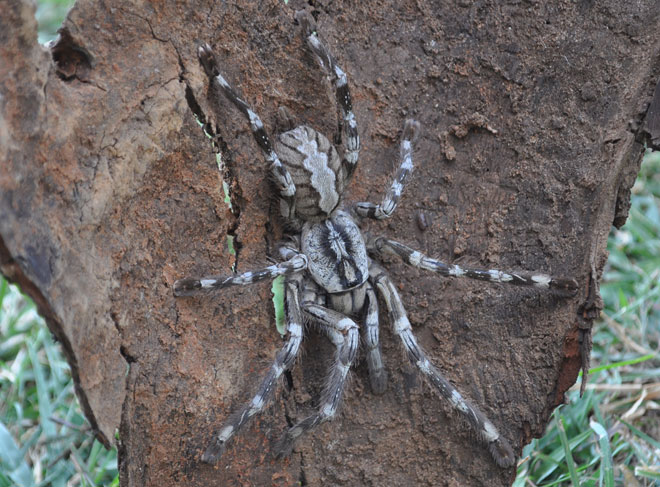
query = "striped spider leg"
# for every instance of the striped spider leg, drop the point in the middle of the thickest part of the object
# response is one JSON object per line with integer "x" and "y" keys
{"x": 292, "y": 269}
{"x": 562, "y": 286}
{"x": 499, "y": 447}
{"x": 377, "y": 372}
{"x": 296, "y": 263}
{"x": 342, "y": 92}
{"x": 283, "y": 181}
{"x": 385, "y": 209}
{"x": 343, "y": 333}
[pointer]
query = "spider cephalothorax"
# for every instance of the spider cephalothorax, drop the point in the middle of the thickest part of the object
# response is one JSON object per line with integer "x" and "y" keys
{"x": 332, "y": 277}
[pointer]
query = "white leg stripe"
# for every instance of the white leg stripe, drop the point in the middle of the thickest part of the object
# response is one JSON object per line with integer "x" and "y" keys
{"x": 222, "y": 81}
{"x": 208, "y": 282}
{"x": 499, "y": 276}
{"x": 257, "y": 403}
{"x": 458, "y": 401}
{"x": 345, "y": 324}
{"x": 341, "y": 76}
{"x": 226, "y": 432}
{"x": 407, "y": 163}
{"x": 295, "y": 329}
{"x": 541, "y": 280}
{"x": 415, "y": 258}
{"x": 490, "y": 432}
{"x": 352, "y": 158}
{"x": 424, "y": 366}
{"x": 335, "y": 337}
{"x": 401, "y": 324}
{"x": 255, "y": 121}
{"x": 456, "y": 271}
{"x": 328, "y": 410}
{"x": 372, "y": 335}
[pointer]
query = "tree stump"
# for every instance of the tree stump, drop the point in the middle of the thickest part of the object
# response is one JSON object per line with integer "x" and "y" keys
{"x": 532, "y": 117}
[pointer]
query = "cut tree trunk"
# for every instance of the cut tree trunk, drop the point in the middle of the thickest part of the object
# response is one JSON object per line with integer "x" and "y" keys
{"x": 533, "y": 124}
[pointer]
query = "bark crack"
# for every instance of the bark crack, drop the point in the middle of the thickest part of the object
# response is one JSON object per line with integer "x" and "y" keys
{"x": 218, "y": 147}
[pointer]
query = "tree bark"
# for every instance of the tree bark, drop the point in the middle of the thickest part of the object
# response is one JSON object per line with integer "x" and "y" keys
{"x": 109, "y": 192}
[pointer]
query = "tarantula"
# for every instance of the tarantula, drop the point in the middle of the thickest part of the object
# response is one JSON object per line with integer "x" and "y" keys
{"x": 331, "y": 276}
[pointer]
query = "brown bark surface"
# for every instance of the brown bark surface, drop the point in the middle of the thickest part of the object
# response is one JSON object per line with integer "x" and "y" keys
{"x": 109, "y": 192}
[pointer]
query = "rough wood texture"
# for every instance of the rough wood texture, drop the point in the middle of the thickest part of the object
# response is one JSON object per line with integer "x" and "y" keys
{"x": 109, "y": 192}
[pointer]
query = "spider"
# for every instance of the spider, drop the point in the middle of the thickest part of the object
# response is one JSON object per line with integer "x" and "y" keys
{"x": 332, "y": 277}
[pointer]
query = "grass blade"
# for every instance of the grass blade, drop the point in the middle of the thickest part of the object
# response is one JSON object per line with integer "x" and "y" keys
{"x": 642, "y": 435}
{"x": 623, "y": 363}
{"x": 567, "y": 450}
{"x": 606, "y": 469}
{"x": 11, "y": 457}
{"x": 648, "y": 472}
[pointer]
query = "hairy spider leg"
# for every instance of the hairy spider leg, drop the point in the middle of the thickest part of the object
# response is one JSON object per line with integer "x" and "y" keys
{"x": 283, "y": 180}
{"x": 377, "y": 372}
{"x": 385, "y": 209}
{"x": 560, "y": 285}
{"x": 189, "y": 286}
{"x": 351, "y": 140}
{"x": 343, "y": 332}
{"x": 283, "y": 361}
{"x": 499, "y": 447}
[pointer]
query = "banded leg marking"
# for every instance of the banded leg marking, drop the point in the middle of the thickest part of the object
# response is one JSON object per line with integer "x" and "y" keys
{"x": 191, "y": 286}
{"x": 498, "y": 446}
{"x": 282, "y": 178}
{"x": 561, "y": 285}
{"x": 343, "y": 332}
{"x": 385, "y": 209}
{"x": 377, "y": 372}
{"x": 283, "y": 361}
{"x": 342, "y": 92}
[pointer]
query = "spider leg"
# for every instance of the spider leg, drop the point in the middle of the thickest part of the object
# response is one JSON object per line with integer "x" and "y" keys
{"x": 283, "y": 180}
{"x": 499, "y": 447}
{"x": 561, "y": 285}
{"x": 283, "y": 361}
{"x": 377, "y": 373}
{"x": 296, "y": 262}
{"x": 391, "y": 199}
{"x": 343, "y": 332}
{"x": 342, "y": 92}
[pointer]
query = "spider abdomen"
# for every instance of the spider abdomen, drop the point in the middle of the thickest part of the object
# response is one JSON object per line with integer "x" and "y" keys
{"x": 336, "y": 253}
{"x": 316, "y": 170}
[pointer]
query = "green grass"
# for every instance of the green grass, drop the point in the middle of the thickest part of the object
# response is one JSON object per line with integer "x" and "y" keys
{"x": 44, "y": 437}
{"x": 610, "y": 436}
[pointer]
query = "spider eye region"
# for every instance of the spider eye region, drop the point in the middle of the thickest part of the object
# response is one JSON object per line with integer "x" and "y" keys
{"x": 336, "y": 253}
